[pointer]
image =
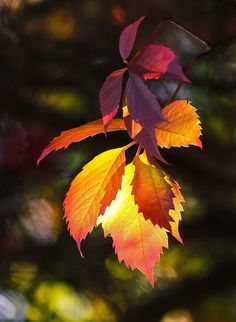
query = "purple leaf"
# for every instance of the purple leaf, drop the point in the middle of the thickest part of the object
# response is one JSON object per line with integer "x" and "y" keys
{"x": 142, "y": 104}
{"x": 175, "y": 72}
{"x": 110, "y": 95}
{"x": 157, "y": 61}
{"x": 127, "y": 38}
{"x": 146, "y": 138}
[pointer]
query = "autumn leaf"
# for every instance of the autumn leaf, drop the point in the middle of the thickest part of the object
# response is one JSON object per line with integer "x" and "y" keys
{"x": 181, "y": 128}
{"x": 152, "y": 193}
{"x": 139, "y": 203}
{"x": 137, "y": 241}
{"x": 151, "y": 62}
{"x": 145, "y": 137}
{"x": 110, "y": 95}
{"x": 127, "y": 38}
{"x": 155, "y": 61}
{"x": 87, "y": 193}
{"x": 175, "y": 213}
{"x": 80, "y": 133}
{"x": 142, "y": 104}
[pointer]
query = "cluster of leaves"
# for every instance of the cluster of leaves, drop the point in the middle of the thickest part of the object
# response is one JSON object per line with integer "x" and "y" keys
{"x": 137, "y": 204}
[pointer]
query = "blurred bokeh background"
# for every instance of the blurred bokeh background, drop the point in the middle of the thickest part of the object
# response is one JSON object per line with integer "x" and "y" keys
{"x": 54, "y": 56}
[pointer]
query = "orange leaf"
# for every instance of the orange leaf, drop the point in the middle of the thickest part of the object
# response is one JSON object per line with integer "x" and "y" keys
{"x": 137, "y": 241}
{"x": 87, "y": 193}
{"x": 181, "y": 128}
{"x": 80, "y": 133}
{"x": 176, "y": 212}
{"x": 152, "y": 193}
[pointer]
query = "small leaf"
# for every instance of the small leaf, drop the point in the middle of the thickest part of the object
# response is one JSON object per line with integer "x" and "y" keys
{"x": 87, "y": 192}
{"x": 80, "y": 133}
{"x": 176, "y": 212}
{"x": 137, "y": 242}
{"x": 152, "y": 193}
{"x": 142, "y": 104}
{"x": 157, "y": 61}
{"x": 110, "y": 95}
{"x": 181, "y": 128}
{"x": 127, "y": 38}
{"x": 143, "y": 136}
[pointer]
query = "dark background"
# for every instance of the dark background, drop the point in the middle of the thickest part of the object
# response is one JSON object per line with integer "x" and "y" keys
{"x": 54, "y": 56}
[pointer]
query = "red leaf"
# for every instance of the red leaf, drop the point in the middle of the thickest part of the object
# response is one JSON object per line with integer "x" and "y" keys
{"x": 152, "y": 193}
{"x": 142, "y": 104}
{"x": 80, "y": 133}
{"x": 157, "y": 61}
{"x": 110, "y": 95}
{"x": 154, "y": 58}
{"x": 127, "y": 38}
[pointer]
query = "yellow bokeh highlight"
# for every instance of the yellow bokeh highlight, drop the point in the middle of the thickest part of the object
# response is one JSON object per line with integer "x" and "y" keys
{"x": 60, "y": 24}
{"x": 22, "y": 275}
{"x": 118, "y": 270}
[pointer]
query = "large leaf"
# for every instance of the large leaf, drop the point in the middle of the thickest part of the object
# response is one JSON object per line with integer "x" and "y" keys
{"x": 181, "y": 128}
{"x": 152, "y": 193}
{"x": 80, "y": 133}
{"x": 142, "y": 104}
{"x": 87, "y": 192}
{"x": 137, "y": 241}
{"x": 110, "y": 95}
{"x": 127, "y": 38}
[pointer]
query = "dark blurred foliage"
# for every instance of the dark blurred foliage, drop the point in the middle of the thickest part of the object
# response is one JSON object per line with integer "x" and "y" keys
{"x": 54, "y": 56}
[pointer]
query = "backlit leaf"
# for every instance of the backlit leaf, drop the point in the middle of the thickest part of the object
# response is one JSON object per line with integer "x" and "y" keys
{"x": 110, "y": 95}
{"x": 176, "y": 212}
{"x": 152, "y": 193}
{"x": 87, "y": 192}
{"x": 181, "y": 128}
{"x": 80, "y": 133}
{"x": 142, "y": 104}
{"x": 154, "y": 58}
{"x": 137, "y": 241}
{"x": 127, "y": 38}
{"x": 157, "y": 61}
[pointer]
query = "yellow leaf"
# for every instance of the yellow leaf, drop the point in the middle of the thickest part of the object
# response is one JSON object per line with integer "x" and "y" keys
{"x": 137, "y": 241}
{"x": 181, "y": 128}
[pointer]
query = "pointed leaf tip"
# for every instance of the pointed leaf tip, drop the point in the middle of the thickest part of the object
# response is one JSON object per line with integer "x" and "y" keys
{"x": 87, "y": 193}
{"x": 80, "y": 133}
{"x": 127, "y": 38}
{"x": 137, "y": 241}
